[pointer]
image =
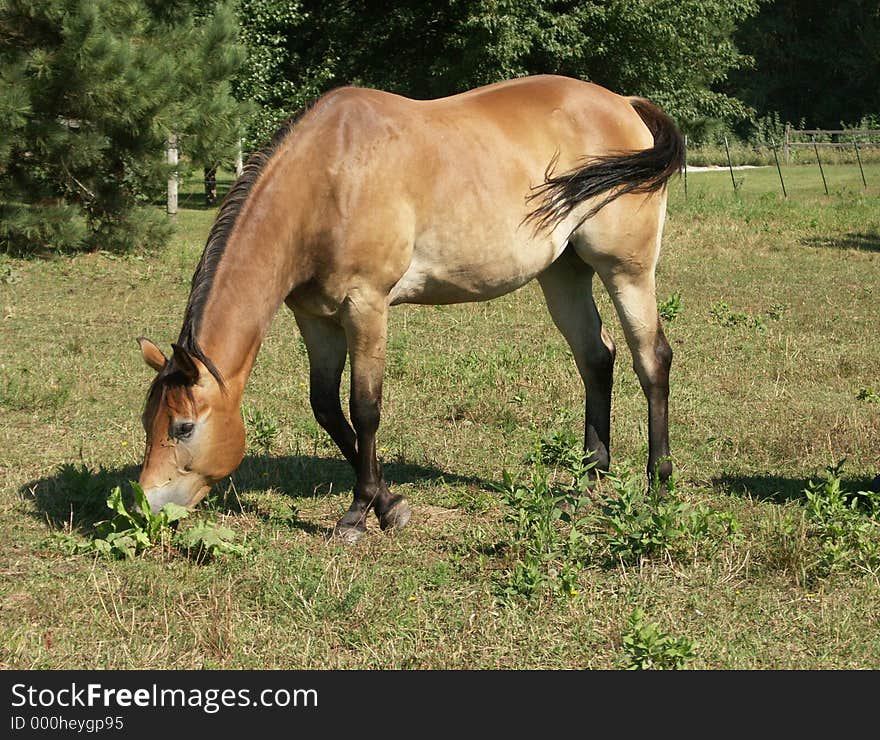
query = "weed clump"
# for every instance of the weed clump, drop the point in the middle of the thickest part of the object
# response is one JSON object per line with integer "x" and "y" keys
{"x": 558, "y": 526}
{"x": 844, "y": 523}
{"x": 134, "y": 529}
{"x": 670, "y": 308}
{"x": 648, "y": 647}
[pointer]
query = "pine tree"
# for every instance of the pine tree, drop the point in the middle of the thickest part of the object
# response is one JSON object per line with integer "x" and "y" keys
{"x": 89, "y": 92}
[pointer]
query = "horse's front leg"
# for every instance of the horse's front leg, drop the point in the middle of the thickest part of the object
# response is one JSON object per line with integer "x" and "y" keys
{"x": 326, "y": 345}
{"x": 364, "y": 317}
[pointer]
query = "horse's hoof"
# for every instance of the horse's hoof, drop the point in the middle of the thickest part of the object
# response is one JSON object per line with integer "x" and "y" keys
{"x": 397, "y": 517}
{"x": 348, "y": 533}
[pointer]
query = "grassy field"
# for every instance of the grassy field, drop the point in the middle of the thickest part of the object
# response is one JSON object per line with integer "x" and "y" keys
{"x": 772, "y": 310}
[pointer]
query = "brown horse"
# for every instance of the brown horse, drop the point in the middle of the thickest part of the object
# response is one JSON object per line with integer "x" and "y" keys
{"x": 370, "y": 199}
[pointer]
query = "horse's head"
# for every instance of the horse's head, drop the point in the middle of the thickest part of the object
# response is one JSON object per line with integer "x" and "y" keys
{"x": 195, "y": 433}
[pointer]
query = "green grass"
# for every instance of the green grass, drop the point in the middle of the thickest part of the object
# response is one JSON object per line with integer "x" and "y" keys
{"x": 776, "y": 361}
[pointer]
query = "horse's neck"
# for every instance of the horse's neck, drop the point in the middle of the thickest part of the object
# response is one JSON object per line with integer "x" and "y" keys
{"x": 252, "y": 279}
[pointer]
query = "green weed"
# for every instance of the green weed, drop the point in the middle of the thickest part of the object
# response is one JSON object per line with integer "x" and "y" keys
{"x": 557, "y": 530}
{"x": 130, "y": 531}
{"x": 869, "y": 395}
{"x": 648, "y": 647}
{"x": 135, "y": 529}
{"x": 670, "y": 308}
{"x": 845, "y": 523}
{"x": 207, "y": 540}
{"x": 548, "y": 545}
{"x": 637, "y": 523}
{"x": 724, "y": 316}
{"x": 559, "y": 448}
{"x": 262, "y": 429}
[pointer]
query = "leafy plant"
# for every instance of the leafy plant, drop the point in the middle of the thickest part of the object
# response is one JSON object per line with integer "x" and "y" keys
{"x": 206, "y": 540}
{"x": 671, "y": 307}
{"x": 135, "y": 529}
{"x": 724, "y": 316}
{"x": 559, "y": 448}
{"x": 638, "y": 523}
{"x": 556, "y": 531}
{"x": 548, "y": 544}
{"x": 844, "y": 522}
{"x": 263, "y": 429}
{"x": 550, "y": 538}
{"x": 130, "y": 532}
{"x": 648, "y": 647}
{"x": 869, "y": 395}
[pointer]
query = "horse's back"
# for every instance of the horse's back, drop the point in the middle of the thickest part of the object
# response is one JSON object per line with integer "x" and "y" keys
{"x": 428, "y": 198}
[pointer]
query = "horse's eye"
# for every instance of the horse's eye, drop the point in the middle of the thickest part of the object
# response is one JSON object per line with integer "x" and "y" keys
{"x": 182, "y": 430}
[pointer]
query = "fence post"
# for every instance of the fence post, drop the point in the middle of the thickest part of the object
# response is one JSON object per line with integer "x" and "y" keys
{"x": 786, "y": 144}
{"x": 859, "y": 158}
{"x": 730, "y": 166}
{"x": 171, "y": 158}
{"x": 821, "y": 170}
{"x": 685, "y": 166}
{"x": 239, "y": 166}
{"x": 779, "y": 169}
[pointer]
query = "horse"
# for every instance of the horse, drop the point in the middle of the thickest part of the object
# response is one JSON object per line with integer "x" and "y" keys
{"x": 368, "y": 199}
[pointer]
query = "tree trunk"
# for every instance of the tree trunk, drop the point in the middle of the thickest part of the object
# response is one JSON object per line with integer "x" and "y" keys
{"x": 210, "y": 185}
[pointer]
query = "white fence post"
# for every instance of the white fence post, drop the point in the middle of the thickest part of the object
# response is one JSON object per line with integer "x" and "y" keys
{"x": 239, "y": 166}
{"x": 171, "y": 158}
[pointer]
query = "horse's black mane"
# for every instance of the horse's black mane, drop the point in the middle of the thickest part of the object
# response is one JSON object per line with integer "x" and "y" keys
{"x": 216, "y": 245}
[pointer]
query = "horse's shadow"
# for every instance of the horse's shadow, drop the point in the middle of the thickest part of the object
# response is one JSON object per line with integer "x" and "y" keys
{"x": 780, "y": 489}
{"x": 863, "y": 241}
{"x": 74, "y": 498}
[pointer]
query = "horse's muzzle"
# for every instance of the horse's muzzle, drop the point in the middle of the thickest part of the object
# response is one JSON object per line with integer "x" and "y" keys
{"x": 183, "y": 493}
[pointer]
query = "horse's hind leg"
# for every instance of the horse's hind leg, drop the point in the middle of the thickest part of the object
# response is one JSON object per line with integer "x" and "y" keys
{"x": 364, "y": 318}
{"x": 630, "y": 282}
{"x": 567, "y": 286}
{"x": 326, "y": 346}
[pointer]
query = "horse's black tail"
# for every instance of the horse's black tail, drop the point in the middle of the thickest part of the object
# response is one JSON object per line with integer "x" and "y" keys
{"x": 612, "y": 175}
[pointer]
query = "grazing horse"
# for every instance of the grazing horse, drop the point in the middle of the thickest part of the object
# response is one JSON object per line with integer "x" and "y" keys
{"x": 369, "y": 199}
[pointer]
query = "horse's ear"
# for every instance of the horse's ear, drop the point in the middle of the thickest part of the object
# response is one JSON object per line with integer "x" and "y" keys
{"x": 185, "y": 364}
{"x": 153, "y": 356}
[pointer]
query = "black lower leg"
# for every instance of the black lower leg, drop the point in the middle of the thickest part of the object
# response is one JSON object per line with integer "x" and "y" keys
{"x": 324, "y": 398}
{"x": 597, "y": 429}
{"x": 659, "y": 462}
{"x": 370, "y": 491}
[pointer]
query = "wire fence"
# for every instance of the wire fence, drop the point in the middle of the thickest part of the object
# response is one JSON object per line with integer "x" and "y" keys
{"x": 852, "y": 141}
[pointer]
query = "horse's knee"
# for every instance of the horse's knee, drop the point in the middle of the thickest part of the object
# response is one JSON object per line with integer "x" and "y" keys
{"x": 652, "y": 366}
{"x": 599, "y": 361}
{"x": 325, "y": 405}
{"x": 663, "y": 353}
{"x": 365, "y": 414}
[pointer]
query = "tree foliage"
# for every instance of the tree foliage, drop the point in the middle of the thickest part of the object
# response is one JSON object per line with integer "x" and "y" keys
{"x": 816, "y": 61}
{"x": 89, "y": 91}
{"x": 673, "y": 51}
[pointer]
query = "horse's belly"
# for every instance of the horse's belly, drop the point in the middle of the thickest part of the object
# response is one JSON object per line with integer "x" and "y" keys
{"x": 436, "y": 277}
